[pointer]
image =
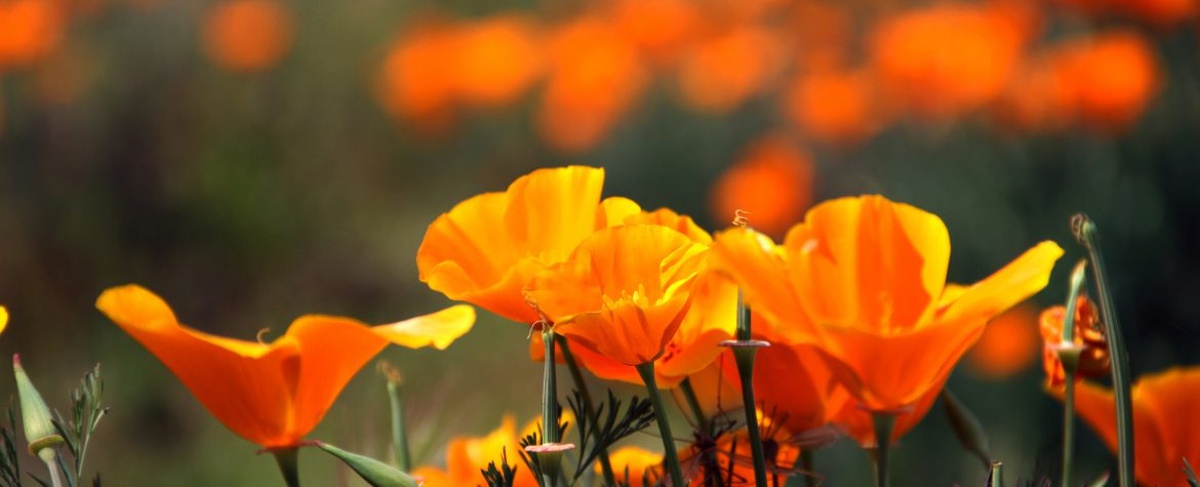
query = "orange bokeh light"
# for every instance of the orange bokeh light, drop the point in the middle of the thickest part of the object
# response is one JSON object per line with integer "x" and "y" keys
{"x": 773, "y": 181}
{"x": 1010, "y": 344}
{"x": 247, "y": 35}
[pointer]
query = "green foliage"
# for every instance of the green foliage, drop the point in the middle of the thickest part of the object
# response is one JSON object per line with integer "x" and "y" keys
{"x": 504, "y": 476}
{"x": 10, "y": 465}
{"x": 375, "y": 472}
{"x": 86, "y": 412}
{"x": 607, "y": 425}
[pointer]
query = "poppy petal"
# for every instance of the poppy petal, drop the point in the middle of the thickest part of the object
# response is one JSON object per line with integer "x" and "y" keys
{"x": 438, "y": 329}
{"x": 334, "y": 349}
{"x": 1017, "y": 281}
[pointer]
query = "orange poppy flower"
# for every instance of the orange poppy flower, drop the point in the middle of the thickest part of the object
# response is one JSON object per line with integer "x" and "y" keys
{"x": 722, "y": 72}
{"x": 498, "y": 59}
{"x": 945, "y": 60}
{"x": 416, "y": 81}
{"x": 632, "y": 464}
{"x": 857, "y": 423}
{"x": 833, "y": 105}
{"x": 772, "y": 181}
{"x": 1094, "y": 361}
{"x": 795, "y": 385}
{"x": 247, "y": 35}
{"x": 1109, "y": 78}
{"x": 29, "y": 31}
{"x": 271, "y": 394}
{"x": 487, "y": 248}
{"x": 623, "y": 292}
{"x": 1164, "y": 422}
{"x": 595, "y": 76}
{"x": 865, "y": 279}
{"x": 465, "y": 457}
{"x": 1162, "y": 13}
{"x": 710, "y": 320}
{"x": 1008, "y": 345}
{"x": 660, "y": 28}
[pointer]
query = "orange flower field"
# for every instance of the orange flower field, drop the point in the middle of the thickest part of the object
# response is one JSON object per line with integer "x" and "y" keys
{"x": 618, "y": 243}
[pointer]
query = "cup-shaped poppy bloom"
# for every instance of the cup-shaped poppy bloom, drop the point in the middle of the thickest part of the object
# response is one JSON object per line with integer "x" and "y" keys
{"x": 710, "y": 320}
{"x": 1089, "y": 338}
{"x": 271, "y": 394}
{"x": 865, "y": 279}
{"x": 487, "y": 248}
{"x": 623, "y": 292}
{"x": 1164, "y": 422}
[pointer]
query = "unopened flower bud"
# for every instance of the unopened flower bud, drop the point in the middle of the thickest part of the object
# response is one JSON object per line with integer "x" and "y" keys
{"x": 35, "y": 415}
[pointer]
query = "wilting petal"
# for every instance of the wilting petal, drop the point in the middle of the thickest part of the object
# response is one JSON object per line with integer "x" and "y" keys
{"x": 438, "y": 329}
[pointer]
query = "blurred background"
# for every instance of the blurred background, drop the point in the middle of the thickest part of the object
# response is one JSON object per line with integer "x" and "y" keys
{"x": 255, "y": 160}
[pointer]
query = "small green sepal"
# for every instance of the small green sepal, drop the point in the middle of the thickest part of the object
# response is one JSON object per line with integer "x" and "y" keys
{"x": 375, "y": 472}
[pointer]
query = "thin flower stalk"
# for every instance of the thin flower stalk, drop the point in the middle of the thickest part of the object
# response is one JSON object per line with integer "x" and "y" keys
{"x": 550, "y": 433}
{"x": 670, "y": 457}
{"x": 1087, "y": 235}
{"x": 400, "y": 449}
{"x": 589, "y": 406}
{"x": 693, "y": 402}
{"x": 884, "y": 424}
{"x": 289, "y": 465}
{"x": 743, "y": 352}
{"x": 1068, "y": 355}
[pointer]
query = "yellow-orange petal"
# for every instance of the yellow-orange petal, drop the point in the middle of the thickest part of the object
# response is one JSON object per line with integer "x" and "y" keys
{"x": 432, "y": 477}
{"x": 3, "y": 318}
{"x": 670, "y": 219}
{"x": 438, "y": 329}
{"x": 795, "y": 383}
{"x": 332, "y": 350}
{"x": 762, "y": 270}
{"x": 857, "y": 423}
{"x": 630, "y": 463}
{"x": 1015, "y": 282}
{"x": 628, "y": 333}
{"x": 247, "y": 386}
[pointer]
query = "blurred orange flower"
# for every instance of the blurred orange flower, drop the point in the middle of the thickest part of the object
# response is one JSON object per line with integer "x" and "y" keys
{"x": 944, "y": 60}
{"x": 29, "y": 31}
{"x": 624, "y": 291}
{"x": 833, "y": 105}
{"x": 772, "y": 181}
{"x": 247, "y": 35}
{"x": 1008, "y": 345}
{"x": 1164, "y": 422}
{"x": 497, "y": 60}
{"x": 632, "y": 464}
{"x": 796, "y": 385}
{"x": 721, "y": 72}
{"x": 271, "y": 394}
{"x": 488, "y": 248}
{"x": 1094, "y": 361}
{"x": 1109, "y": 78}
{"x": 858, "y": 423}
{"x": 416, "y": 81}
{"x": 595, "y": 75}
{"x": 660, "y": 28}
{"x": 3, "y": 318}
{"x": 465, "y": 457}
{"x": 865, "y": 280}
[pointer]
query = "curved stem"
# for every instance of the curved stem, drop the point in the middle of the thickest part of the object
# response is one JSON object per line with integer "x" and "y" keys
{"x": 1086, "y": 233}
{"x": 589, "y": 407}
{"x": 1070, "y": 363}
{"x": 670, "y": 458}
{"x": 289, "y": 465}
{"x": 689, "y": 395}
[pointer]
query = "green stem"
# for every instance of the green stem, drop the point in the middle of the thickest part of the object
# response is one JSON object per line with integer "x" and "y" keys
{"x": 670, "y": 458}
{"x": 884, "y": 424}
{"x": 399, "y": 430}
{"x": 995, "y": 477}
{"x": 1086, "y": 233}
{"x": 1070, "y": 363}
{"x": 689, "y": 395}
{"x": 744, "y": 357}
{"x": 289, "y": 465}
{"x": 550, "y": 432}
{"x": 806, "y": 458}
{"x": 48, "y": 455}
{"x": 743, "y": 319}
{"x": 589, "y": 407}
